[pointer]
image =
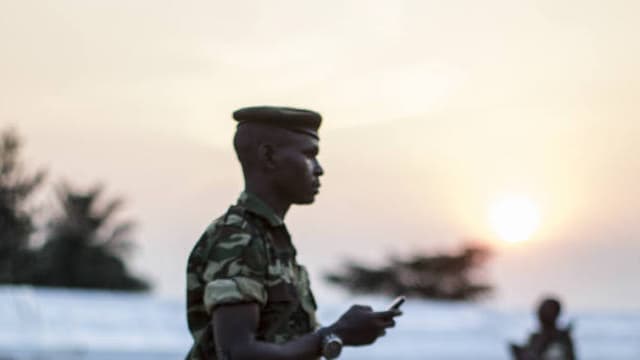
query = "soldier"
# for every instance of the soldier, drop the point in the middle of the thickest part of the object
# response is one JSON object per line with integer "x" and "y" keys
{"x": 550, "y": 343}
{"x": 247, "y": 297}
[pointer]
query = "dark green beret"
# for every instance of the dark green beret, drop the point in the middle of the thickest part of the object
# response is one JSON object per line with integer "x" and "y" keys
{"x": 298, "y": 120}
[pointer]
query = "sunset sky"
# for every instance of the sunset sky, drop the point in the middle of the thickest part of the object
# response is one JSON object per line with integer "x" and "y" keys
{"x": 433, "y": 112}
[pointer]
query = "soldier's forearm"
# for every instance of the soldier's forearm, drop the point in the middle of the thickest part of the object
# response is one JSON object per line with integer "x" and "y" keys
{"x": 306, "y": 347}
{"x": 235, "y": 337}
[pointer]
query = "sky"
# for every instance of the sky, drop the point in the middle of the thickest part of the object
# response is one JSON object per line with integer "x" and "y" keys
{"x": 433, "y": 110}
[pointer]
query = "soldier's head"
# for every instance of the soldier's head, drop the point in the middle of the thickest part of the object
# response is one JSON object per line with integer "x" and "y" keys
{"x": 278, "y": 150}
{"x": 548, "y": 312}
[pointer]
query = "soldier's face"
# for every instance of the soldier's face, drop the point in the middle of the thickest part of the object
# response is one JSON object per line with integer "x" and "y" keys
{"x": 299, "y": 170}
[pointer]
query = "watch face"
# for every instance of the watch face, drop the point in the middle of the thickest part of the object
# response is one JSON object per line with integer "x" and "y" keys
{"x": 332, "y": 349}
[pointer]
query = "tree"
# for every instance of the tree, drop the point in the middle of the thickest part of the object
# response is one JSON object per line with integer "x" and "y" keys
{"x": 16, "y": 223}
{"x": 84, "y": 246}
{"x": 442, "y": 277}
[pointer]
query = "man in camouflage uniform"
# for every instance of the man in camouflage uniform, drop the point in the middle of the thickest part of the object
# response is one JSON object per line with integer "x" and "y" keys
{"x": 247, "y": 297}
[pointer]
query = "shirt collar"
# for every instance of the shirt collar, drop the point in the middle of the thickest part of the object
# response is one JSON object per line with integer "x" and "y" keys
{"x": 254, "y": 204}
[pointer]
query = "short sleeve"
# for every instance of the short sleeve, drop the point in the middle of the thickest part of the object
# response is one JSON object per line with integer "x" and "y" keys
{"x": 236, "y": 269}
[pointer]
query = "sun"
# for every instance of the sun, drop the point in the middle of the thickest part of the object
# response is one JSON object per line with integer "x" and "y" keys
{"x": 514, "y": 218}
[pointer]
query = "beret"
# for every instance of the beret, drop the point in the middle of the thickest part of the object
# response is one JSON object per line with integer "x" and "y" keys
{"x": 298, "y": 120}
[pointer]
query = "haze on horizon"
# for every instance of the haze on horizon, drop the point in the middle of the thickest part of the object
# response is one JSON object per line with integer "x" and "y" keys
{"x": 432, "y": 110}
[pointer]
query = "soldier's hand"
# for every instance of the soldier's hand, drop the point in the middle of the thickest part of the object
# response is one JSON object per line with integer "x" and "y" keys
{"x": 360, "y": 325}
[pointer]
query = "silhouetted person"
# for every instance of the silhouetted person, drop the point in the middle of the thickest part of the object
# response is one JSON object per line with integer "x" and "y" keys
{"x": 549, "y": 342}
{"x": 247, "y": 296}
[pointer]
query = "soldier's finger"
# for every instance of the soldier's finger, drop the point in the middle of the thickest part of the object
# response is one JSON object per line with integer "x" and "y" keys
{"x": 388, "y": 314}
{"x": 385, "y": 323}
{"x": 389, "y": 324}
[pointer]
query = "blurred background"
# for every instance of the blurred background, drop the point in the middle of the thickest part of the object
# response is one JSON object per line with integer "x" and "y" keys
{"x": 505, "y": 126}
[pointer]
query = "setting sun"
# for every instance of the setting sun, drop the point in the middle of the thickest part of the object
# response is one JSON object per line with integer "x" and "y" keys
{"x": 514, "y": 218}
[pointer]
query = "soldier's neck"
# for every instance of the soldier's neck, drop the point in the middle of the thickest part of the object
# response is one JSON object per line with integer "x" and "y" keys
{"x": 275, "y": 202}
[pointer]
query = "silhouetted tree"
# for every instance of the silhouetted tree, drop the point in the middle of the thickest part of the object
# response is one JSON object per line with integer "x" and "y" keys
{"x": 84, "y": 245}
{"x": 442, "y": 277}
{"x": 16, "y": 223}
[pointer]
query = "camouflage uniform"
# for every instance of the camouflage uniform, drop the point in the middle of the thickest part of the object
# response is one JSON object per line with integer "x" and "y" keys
{"x": 247, "y": 256}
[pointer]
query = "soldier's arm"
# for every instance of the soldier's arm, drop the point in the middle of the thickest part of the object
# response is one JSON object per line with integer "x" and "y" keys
{"x": 235, "y": 328}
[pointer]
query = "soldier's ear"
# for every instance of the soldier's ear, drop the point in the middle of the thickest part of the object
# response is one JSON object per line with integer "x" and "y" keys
{"x": 266, "y": 157}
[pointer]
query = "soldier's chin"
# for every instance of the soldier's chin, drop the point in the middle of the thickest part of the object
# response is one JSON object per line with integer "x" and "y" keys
{"x": 306, "y": 200}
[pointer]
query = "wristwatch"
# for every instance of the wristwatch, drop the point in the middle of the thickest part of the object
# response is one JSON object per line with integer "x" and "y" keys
{"x": 331, "y": 346}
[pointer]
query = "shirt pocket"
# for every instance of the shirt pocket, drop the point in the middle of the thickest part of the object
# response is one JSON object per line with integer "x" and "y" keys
{"x": 282, "y": 301}
{"x": 282, "y": 292}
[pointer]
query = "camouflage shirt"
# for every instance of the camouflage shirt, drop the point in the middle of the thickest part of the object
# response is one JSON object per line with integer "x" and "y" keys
{"x": 247, "y": 256}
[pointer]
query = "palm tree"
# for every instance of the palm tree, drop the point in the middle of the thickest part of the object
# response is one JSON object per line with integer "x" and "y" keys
{"x": 16, "y": 224}
{"x": 85, "y": 245}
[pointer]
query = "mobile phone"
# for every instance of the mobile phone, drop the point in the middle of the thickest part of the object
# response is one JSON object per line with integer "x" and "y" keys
{"x": 395, "y": 305}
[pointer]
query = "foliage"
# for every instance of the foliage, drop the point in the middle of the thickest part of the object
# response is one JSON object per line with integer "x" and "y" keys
{"x": 16, "y": 222}
{"x": 441, "y": 277}
{"x": 85, "y": 245}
